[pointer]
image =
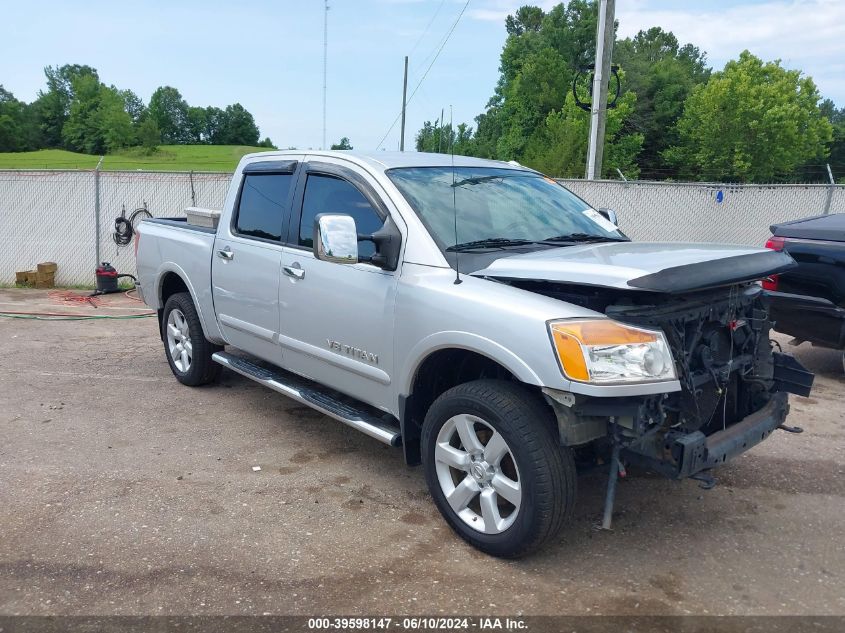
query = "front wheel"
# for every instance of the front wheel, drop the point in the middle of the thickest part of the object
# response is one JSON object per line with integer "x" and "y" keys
{"x": 188, "y": 351}
{"x": 495, "y": 468}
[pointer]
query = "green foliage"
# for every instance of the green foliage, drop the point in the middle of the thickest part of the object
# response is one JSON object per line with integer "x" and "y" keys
{"x": 238, "y": 127}
{"x": 753, "y": 121}
{"x": 559, "y": 146}
{"x": 266, "y": 142}
{"x": 196, "y": 125}
{"x": 344, "y": 144}
{"x": 538, "y": 62}
{"x": 97, "y": 121}
{"x": 442, "y": 139}
{"x": 837, "y": 147}
{"x": 170, "y": 112}
{"x": 662, "y": 74}
{"x": 18, "y": 125}
{"x": 149, "y": 135}
{"x": 53, "y": 106}
{"x": 78, "y": 112}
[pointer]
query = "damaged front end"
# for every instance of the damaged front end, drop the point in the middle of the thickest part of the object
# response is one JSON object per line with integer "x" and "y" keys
{"x": 734, "y": 385}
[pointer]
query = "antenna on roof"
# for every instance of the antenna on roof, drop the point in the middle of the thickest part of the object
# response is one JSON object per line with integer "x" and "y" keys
{"x": 454, "y": 196}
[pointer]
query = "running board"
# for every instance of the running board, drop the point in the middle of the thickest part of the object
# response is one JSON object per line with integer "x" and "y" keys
{"x": 337, "y": 406}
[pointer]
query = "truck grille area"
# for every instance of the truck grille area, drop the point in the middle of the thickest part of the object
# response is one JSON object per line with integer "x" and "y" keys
{"x": 720, "y": 343}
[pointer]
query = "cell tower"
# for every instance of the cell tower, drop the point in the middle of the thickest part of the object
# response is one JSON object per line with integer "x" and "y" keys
{"x": 325, "y": 64}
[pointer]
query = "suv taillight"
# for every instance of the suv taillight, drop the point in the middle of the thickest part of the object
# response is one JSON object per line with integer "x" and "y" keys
{"x": 776, "y": 244}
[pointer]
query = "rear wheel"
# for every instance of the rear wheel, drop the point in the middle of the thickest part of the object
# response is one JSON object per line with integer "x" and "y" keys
{"x": 495, "y": 469}
{"x": 188, "y": 351}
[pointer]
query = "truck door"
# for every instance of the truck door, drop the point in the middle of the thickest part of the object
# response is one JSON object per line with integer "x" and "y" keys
{"x": 337, "y": 319}
{"x": 247, "y": 258}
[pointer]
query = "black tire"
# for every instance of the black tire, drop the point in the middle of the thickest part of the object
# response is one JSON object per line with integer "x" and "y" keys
{"x": 546, "y": 470}
{"x": 201, "y": 370}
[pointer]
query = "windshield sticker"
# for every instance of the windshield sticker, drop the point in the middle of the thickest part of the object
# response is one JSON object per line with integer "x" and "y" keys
{"x": 599, "y": 219}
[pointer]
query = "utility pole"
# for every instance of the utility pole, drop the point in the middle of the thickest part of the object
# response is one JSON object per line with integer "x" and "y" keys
{"x": 440, "y": 136}
{"x": 404, "y": 104}
{"x": 325, "y": 64}
{"x": 598, "y": 117}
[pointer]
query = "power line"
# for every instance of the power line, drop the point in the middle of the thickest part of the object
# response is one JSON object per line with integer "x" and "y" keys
{"x": 425, "y": 74}
{"x": 427, "y": 27}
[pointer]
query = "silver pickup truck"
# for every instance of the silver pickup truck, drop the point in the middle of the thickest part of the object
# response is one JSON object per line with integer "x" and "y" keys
{"x": 480, "y": 316}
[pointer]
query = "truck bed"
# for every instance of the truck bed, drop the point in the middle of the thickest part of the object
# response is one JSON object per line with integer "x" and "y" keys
{"x": 810, "y": 300}
{"x": 822, "y": 227}
{"x": 173, "y": 245}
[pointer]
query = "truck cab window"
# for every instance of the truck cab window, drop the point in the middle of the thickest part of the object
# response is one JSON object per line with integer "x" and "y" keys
{"x": 327, "y": 194}
{"x": 261, "y": 209}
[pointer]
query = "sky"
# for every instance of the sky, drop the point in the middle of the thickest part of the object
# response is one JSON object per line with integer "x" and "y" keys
{"x": 268, "y": 54}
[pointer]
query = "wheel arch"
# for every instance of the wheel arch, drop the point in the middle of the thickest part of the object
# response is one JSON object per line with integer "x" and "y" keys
{"x": 171, "y": 280}
{"x": 445, "y": 366}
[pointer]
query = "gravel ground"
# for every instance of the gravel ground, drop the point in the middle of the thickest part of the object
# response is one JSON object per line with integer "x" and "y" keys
{"x": 123, "y": 492}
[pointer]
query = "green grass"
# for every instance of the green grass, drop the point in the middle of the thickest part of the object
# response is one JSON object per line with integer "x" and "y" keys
{"x": 166, "y": 158}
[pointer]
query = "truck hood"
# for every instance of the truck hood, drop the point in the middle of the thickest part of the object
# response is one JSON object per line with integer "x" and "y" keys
{"x": 671, "y": 267}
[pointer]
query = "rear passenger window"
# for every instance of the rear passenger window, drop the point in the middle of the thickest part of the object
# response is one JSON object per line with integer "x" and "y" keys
{"x": 326, "y": 194}
{"x": 261, "y": 210}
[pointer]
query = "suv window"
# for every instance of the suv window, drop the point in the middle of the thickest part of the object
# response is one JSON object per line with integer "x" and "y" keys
{"x": 261, "y": 209}
{"x": 327, "y": 194}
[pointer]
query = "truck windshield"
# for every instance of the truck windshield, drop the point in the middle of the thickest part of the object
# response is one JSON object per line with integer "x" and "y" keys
{"x": 497, "y": 208}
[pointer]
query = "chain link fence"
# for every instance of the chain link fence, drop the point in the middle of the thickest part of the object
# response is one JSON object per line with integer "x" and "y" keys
{"x": 68, "y": 216}
{"x": 706, "y": 212}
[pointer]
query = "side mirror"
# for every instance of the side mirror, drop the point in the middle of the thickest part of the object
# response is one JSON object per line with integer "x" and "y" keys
{"x": 609, "y": 215}
{"x": 335, "y": 238}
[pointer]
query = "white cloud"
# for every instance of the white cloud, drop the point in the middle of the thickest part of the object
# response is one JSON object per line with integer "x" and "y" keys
{"x": 805, "y": 34}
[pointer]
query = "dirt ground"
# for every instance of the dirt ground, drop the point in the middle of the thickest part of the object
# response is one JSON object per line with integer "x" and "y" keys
{"x": 123, "y": 492}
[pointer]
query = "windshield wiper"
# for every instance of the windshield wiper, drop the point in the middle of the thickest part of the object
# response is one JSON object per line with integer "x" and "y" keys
{"x": 477, "y": 180}
{"x": 574, "y": 238}
{"x": 492, "y": 242}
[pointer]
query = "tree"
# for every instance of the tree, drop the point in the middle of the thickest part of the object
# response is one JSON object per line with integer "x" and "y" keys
{"x": 53, "y": 106}
{"x": 149, "y": 135}
{"x": 238, "y": 127}
{"x": 115, "y": 123}
{"x": 266, "y": 142}
{"x": 197, "y": 126}
{"x": 97, "y": 121}
{"x": 837, "y": 147}
{"x": 133, "y": 105}
{"x": 439, "y": 138}
{"x": 19, "y": 130}
{"x": 526, "y": 18}
{"x": 537, "y": 65}
{"x": 170, "y": 112}
{"x": 344, "y": 144}
{"x": 751, "y": 122}
{"x": 559, "y": 146}
{"x": 662, "y": 73}
{"x": 214, "y": 118}
{"x": 81, "y": 130}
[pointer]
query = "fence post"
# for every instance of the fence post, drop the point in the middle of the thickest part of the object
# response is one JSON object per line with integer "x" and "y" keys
{"x": 830, "y": 189}
{"x": 97, "y": 211}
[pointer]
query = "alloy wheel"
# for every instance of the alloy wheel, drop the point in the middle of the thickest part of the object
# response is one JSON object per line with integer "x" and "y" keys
{"x": 477, "y": 473}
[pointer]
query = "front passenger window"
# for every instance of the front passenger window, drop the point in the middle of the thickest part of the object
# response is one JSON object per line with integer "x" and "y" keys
{"x": 327, "y": 194}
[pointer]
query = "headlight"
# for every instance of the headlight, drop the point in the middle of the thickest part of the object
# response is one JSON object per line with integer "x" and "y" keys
{"x": 605, "y": 351}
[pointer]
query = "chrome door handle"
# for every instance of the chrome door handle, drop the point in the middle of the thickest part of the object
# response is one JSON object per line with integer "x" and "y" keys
{"x": 226, "y": 253}
{"x": 294, "y": 270}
